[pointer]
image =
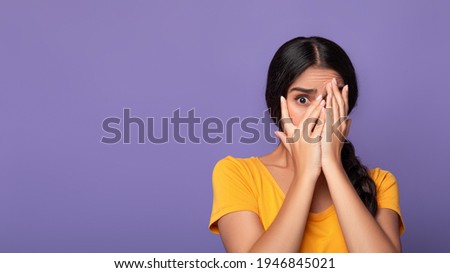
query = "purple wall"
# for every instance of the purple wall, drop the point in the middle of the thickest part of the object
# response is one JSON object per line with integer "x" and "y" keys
{"x": 64, "y": 68}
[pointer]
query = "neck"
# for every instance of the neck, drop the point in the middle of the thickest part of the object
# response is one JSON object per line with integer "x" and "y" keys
{"x": 282, "y": 157}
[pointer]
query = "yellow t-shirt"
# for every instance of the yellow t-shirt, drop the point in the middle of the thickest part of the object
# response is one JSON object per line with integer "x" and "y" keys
{"x": 246, "y": 184}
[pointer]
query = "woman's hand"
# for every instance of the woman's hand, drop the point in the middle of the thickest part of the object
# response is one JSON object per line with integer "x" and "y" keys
{"x": 303, "y": 140}
{"x": 337, "y": 125}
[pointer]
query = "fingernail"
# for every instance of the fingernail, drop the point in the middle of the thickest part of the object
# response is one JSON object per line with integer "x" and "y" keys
{"x": 319, "y": 97}
{"x": 322, "y": 103}
{"x": 282, "y": 99}
{"x": 334, "y": 81}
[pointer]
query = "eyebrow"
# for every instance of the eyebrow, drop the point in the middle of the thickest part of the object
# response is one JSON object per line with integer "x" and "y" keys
{"x": 309, "y": 91}
{"x": 301, "y": 89}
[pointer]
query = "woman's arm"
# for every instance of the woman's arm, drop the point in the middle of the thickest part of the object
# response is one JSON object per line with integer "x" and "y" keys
{"x": 362, "y": 232}
{"x": 243, "y": 232}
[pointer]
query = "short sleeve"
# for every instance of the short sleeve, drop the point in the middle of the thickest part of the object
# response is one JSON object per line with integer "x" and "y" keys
{"x": 231, "y": 190}
{"x": 387, "y": 193}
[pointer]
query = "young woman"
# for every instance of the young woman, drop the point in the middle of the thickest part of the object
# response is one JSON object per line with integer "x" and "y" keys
{"x": 311, "y": 194}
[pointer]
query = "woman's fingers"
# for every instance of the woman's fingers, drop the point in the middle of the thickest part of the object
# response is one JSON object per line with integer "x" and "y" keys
{"x": 308, "y": 123}
{"x": 338, "y": 107}
{"x": 317, "y": 132}
{"x": 348, "y": 122}
{"x": 329, "y": 96}
{"x": 282, "y": 136}
{"x": 313, "y": 106}
{"x": 339, "y": 98}
{"x": 335, "y": 107}
{"x": 330, "y": 104}
{"x": 345, "y": 96}
{"x": 311, "y": 121}
{"x": 286, "y": 121}
{"x": 312, "y": 115}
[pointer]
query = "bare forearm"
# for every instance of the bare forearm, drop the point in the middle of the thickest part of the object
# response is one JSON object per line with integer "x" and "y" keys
{"x": 286, "y": 231}
{"x": 361, "y": 231}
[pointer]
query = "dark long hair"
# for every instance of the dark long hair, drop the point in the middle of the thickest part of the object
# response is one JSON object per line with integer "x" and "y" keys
{"x": 294, "y": 57}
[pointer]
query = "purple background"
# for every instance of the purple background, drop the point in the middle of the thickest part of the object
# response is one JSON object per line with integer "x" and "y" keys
{"x": 64, "y": 67}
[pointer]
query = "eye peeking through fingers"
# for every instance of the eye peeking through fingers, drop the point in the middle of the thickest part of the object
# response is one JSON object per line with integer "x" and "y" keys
{"x": 303, "y": 100}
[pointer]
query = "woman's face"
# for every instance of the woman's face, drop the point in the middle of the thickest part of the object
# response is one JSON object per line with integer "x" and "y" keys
{"x": 309, "y": 85}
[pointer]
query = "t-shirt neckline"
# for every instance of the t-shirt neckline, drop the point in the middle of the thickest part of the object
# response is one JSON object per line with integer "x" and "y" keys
{"x": 312, "y": 216}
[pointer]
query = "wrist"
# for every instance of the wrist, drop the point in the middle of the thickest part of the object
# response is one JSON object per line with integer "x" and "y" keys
{"x": 308, "y": 178}
{"x": 333, "y": 166}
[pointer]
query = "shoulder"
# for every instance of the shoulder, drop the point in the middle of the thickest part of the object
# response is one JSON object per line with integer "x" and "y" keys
{"x": 235, "y": 170}
{"x": 387, "y": 188}
{"x": 380, "y": 174}
{"x": 383, "y": 179}
{"x": 231, "y": 163}
{"x": 388, "y": 195}
{"x": 233, "y": 188}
